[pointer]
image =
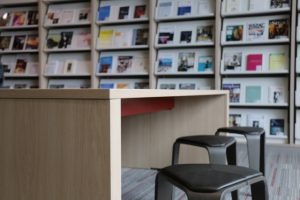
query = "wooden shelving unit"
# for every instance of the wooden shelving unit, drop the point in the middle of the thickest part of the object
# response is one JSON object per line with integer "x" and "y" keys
{"x": 219, "y": 18}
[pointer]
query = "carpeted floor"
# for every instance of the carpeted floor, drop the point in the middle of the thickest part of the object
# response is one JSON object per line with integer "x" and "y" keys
{"x": 283, "y": 175}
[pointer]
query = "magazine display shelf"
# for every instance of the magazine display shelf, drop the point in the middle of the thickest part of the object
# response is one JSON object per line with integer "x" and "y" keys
{"x": 139, "y": 47}
{"x": 204, "y": 80}
{"x": 125, "y": 22}
{"x": 185, "y": 18}
{"x": 128, "y": 21}
{"x": 256, "y": 12}
{"x": 169, "y": 46}
{"x": 17, "y": 53}
{"x": 18, "y": 28}
{"x": 199, "y": 47}
{"x": 121, "y": 75}
{"x": 237, "y": 40}
{"x": 185, "y": 74}
{"x": 67, "y": 25}
{"x": 64, "y": 23}
{"x": 67, "y": 50}
{"x": 22, "y": 76}
{"x": 67, "y": 75}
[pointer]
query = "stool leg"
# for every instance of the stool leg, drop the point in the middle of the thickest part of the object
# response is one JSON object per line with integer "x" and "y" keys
{"x": 175, "y": 153}
{"x": 163, "y": 188}
{"x": 217, "y": 155}
{"x": 231, "y": 154}
{"x": 260, "y": 191}
{"x": 262, "y": 152}
{"x": 254, "y": 149}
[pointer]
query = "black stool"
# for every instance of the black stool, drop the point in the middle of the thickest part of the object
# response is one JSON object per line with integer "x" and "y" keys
{"x": 208, "y": 181}
{"x": 219, "y": 148}
{"x": 255, "y": 144}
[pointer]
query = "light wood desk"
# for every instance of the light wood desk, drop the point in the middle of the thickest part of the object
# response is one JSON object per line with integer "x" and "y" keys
{"x": 66, "y": 144}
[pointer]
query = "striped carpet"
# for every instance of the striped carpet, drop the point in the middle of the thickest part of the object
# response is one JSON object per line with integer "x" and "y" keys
{"x": 283, "y": 175}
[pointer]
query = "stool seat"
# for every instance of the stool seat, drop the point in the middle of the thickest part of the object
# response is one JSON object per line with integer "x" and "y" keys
{"x": 206, "y": 140}
{"x": 242, "y": 130}
{"x": 207, "y": 177}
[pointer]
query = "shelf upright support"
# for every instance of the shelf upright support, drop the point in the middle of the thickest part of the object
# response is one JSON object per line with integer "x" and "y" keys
{"x": 152, "y": 49}
{"x": 42, "y": 8}
{"x": 94, "y": 53}
{"x": 291, "y": 138}
{"x": 218, "y": 47}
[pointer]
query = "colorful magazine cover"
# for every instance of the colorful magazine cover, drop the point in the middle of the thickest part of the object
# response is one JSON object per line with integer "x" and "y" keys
{"x": 19, "y": 18}
{"x": 234, "y": 91}
{"x": 279, "y": 29}
{"x": 256, "y": 31}
{"x": 234, "y": 33}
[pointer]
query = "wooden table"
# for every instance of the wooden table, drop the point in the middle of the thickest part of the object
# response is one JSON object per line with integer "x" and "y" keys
{"x": 67, "y": 144}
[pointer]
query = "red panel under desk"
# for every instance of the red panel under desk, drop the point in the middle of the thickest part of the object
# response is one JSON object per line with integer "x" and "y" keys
{"x": 146, "y": 105}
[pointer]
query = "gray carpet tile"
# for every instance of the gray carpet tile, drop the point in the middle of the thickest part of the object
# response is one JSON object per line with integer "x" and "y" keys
{"x": 282, "y": 173}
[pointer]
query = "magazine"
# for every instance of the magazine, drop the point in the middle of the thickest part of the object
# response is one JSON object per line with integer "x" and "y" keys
{"x": 67, "y": 17}
{"x": 165, "y": 63}
{"x": 232, "y": 61}
{"x": 278, "y": 62}
{"x": 235, "y": 120}
{"x": 276, "y": 94}
{"x": 104, "y": 13}
{"x": 165, "y": 9}
{"x": 256, "y": 120}
{"x": 53, "y": 40}
{"x": 234, "y": 91}
{"x": 5, "y": 18}
{"x": 32, "y": 42}
{"x": 253, "y": 94}
{"x": 69, "y": 66}
{"x": 204, "y": 34}
{"x": 122, "y": 38}
{"x": 53, "y": 16}
{"x": 205, "y": 63}
{"x": 5, "y": 42}
{"x": 20, "y": 67}
{"x": 139, "y": 11}
{"x": 166, "y": 35}
{"x": 124, "y": 64}
{"x": 256, "y": 31}
{"x": 33, "y": 17}
{"x": 19, "y": 41}
{"x": 105, "y": 64}
{"x": 185, "y": 37}
{"x": 19, "y": 18}
{"x": 187, "y": 86}
{"x": 186, "y": 62}
{"x": 105, "y": 38}
{"x": 279, "y": 3}
{"x": 124, "y": 12}
{"x": 140, "y": 36}
{"x": 254, "y": 62}
{"x": 184, "y": 7}
{"x": 141, "y": 85}
{"x": 279, "y": 29}
{"x": 277, "y": 127}
{"x": 233, "y": 6}
{"x": 234, "y": 33}
{"x": 167, "y": 86}
{"x": 84, "y": 15}
{"x": 65, "y": 40}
